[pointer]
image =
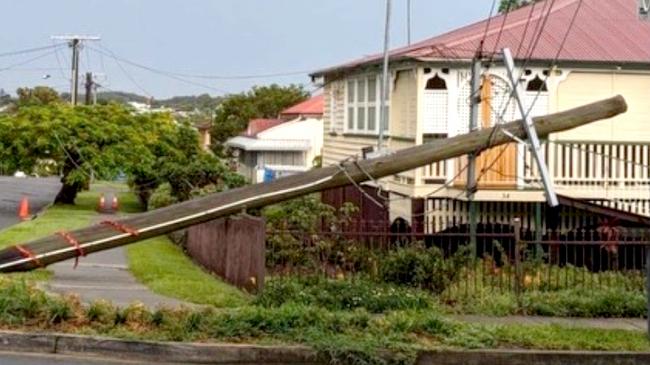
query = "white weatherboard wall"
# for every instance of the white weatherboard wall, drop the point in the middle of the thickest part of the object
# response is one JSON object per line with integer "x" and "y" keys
{"x": 309, "y": 129}
{"x": 581, "y": 87}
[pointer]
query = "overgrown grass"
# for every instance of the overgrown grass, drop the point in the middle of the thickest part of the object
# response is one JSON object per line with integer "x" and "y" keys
{"x": 165, "y": 269}
{"x": 349, "y": 294}
{"x": 355, "y": 336}
{"x": 547, "y": 291}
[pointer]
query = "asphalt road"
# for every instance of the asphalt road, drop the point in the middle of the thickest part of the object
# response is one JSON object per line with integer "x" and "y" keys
{"x": 52, "y": 359}
{"x": 39, "y": 191}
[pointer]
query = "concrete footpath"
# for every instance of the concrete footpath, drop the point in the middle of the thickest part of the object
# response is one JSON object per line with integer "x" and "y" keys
{"x": 105, "y": 275}
{"x": 630, "y": 324}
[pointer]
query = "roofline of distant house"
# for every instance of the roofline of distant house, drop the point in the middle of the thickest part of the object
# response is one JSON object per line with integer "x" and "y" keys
{"x": 451, "y": 62}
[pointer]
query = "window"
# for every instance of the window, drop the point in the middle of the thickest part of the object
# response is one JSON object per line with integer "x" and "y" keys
{"x": 363, "y": 99}
{"x": 436, "y": 106}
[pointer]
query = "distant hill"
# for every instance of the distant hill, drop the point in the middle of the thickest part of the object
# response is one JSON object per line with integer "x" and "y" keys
{"x": 201, "y": 102}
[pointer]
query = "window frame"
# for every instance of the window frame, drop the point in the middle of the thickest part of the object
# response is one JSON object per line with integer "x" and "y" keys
{"x": 366, "y": 104}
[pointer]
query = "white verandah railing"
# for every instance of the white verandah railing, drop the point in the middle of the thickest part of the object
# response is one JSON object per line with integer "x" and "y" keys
{"x": 592, "y": 164}
{"x": 573, "y": 164}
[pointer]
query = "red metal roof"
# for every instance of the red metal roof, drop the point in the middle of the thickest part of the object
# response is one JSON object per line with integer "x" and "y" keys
{"x": 313, "y": 106}
{"x": 256, "y": 126}
{"x": 604, "y": 31}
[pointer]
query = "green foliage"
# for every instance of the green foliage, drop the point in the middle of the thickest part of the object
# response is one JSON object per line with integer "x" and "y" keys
{"x": 235, "y": 111}
{"x": 304, "y": 235}
{"x": 354, "y": 336}
{"x": 78, "y": 141}
{"x": 546, "y": 291}
{"x": 510, "y": 5}
{"x": 342, "y": 294}
{"x": 39, "y": 95}
{"x": 162, "y": 197}
{"x": 420, "y": 267}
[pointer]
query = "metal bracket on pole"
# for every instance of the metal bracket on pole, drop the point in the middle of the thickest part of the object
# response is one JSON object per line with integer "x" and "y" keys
{"x": 529, "y": 127}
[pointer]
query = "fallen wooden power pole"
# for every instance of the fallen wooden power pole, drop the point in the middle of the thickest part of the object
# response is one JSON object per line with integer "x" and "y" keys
{"x": 66, "y": 245}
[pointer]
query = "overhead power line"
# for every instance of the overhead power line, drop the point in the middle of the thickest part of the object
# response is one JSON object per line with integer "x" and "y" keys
{"x": 29, "y": 50}
{"x": 27, "y": 61}
{"x": 203, "y": 76}
{"x": 106, "y": 52}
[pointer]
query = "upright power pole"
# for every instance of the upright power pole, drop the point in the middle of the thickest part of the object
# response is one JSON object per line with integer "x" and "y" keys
{"x": 475, "y": 100}
{"x": 385, "y": 87}
{"x": 74, "y": 91}
{"x": 89, "y": 87}
{"x": 75, "y": 44}
{"x": 408, "y": 22}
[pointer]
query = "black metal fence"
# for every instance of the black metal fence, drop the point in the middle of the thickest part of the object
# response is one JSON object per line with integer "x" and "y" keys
{"x": 506, "y": 258}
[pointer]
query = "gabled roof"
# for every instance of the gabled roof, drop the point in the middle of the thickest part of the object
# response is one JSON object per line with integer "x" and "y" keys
{"x": 256, "y": 126}
{"x": 609, "y": 31}
{"x": 312, "y": 106}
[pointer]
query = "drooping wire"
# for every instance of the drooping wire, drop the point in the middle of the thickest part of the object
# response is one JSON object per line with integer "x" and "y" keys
{"x": 25, "y": 62}
{"x": 106, "y": 52}
{"x": 29, "y": 50}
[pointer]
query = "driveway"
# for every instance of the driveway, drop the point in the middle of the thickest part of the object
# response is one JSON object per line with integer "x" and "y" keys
{"x": 39, "y": 191}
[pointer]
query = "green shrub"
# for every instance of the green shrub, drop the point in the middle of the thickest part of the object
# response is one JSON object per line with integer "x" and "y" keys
{"x": 162, "y": 197}
{"x": 346, "y": 294}
{"x": 420, "y": 267}
{"x": 100, "y": 312}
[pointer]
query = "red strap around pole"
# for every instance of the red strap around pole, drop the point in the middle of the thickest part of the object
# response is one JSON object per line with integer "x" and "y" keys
{"x": 26, "y": 253}
{"x": 122, "y": 227}
{"x": 74, "y": 243}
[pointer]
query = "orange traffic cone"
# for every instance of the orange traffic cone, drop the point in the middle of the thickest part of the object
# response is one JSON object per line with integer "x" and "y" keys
{"x": 23, "y": 209}
{"x": 115, "y": 206}
{"x": 100, "y": 204}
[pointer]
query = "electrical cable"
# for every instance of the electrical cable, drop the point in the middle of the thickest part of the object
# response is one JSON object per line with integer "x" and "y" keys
{"x": 24, "y": 62}
{"x": 29, "y": 50}
{"x": 117, "y": 59}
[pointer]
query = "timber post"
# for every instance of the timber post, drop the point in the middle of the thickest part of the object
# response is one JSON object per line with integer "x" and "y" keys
{"x": 518, "y": 246}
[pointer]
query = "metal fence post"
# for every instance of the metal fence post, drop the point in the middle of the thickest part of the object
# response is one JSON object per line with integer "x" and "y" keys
{"x": 516, "y": 223}
{"x": 647, "y": 282}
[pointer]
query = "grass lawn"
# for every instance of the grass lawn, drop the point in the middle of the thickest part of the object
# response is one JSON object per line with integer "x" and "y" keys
{"x": 55, "y": 218}
{"x": 165, "y": 269}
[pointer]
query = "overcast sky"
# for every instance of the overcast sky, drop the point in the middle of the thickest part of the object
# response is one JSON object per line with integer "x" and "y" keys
{"x": 208, "y": 37}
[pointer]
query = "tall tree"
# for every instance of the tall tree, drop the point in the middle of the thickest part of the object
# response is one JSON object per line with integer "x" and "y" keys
{"x": 104, "y": 141}
{"x": 39, "y": 95}
{"x": 235, "y": 111}
{"x": 509, "y": 5}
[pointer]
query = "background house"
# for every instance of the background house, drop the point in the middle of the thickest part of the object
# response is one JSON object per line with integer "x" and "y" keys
{"x": 605, "y": 52}
{"x": 271, "y": 148}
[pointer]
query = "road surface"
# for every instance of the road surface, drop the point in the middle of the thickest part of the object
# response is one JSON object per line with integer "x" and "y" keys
{"x": 7, "y": 358}
{"x": 40, "y": 193}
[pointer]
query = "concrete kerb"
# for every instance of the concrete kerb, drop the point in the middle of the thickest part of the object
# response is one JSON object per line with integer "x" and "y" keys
{"x": 192, "y": 353}
{"x": 532, "y": 357}
{"x": 173, "y": 352}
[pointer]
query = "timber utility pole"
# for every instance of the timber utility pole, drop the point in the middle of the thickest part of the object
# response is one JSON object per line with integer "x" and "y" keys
{"x": 385, "y": 85}
{"x": 90, "y": 85}
{"x": 110, "y": 234}
{"x": 472, "y": 184}
{"x": 75, "y": 44}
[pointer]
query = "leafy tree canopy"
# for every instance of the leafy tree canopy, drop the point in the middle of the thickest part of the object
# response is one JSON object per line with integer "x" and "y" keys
{"x": 235, "y": 111}
{"x": 39, "y": 95}
{"x": 104, "y": 141}
{"x": 509, "y": 5}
